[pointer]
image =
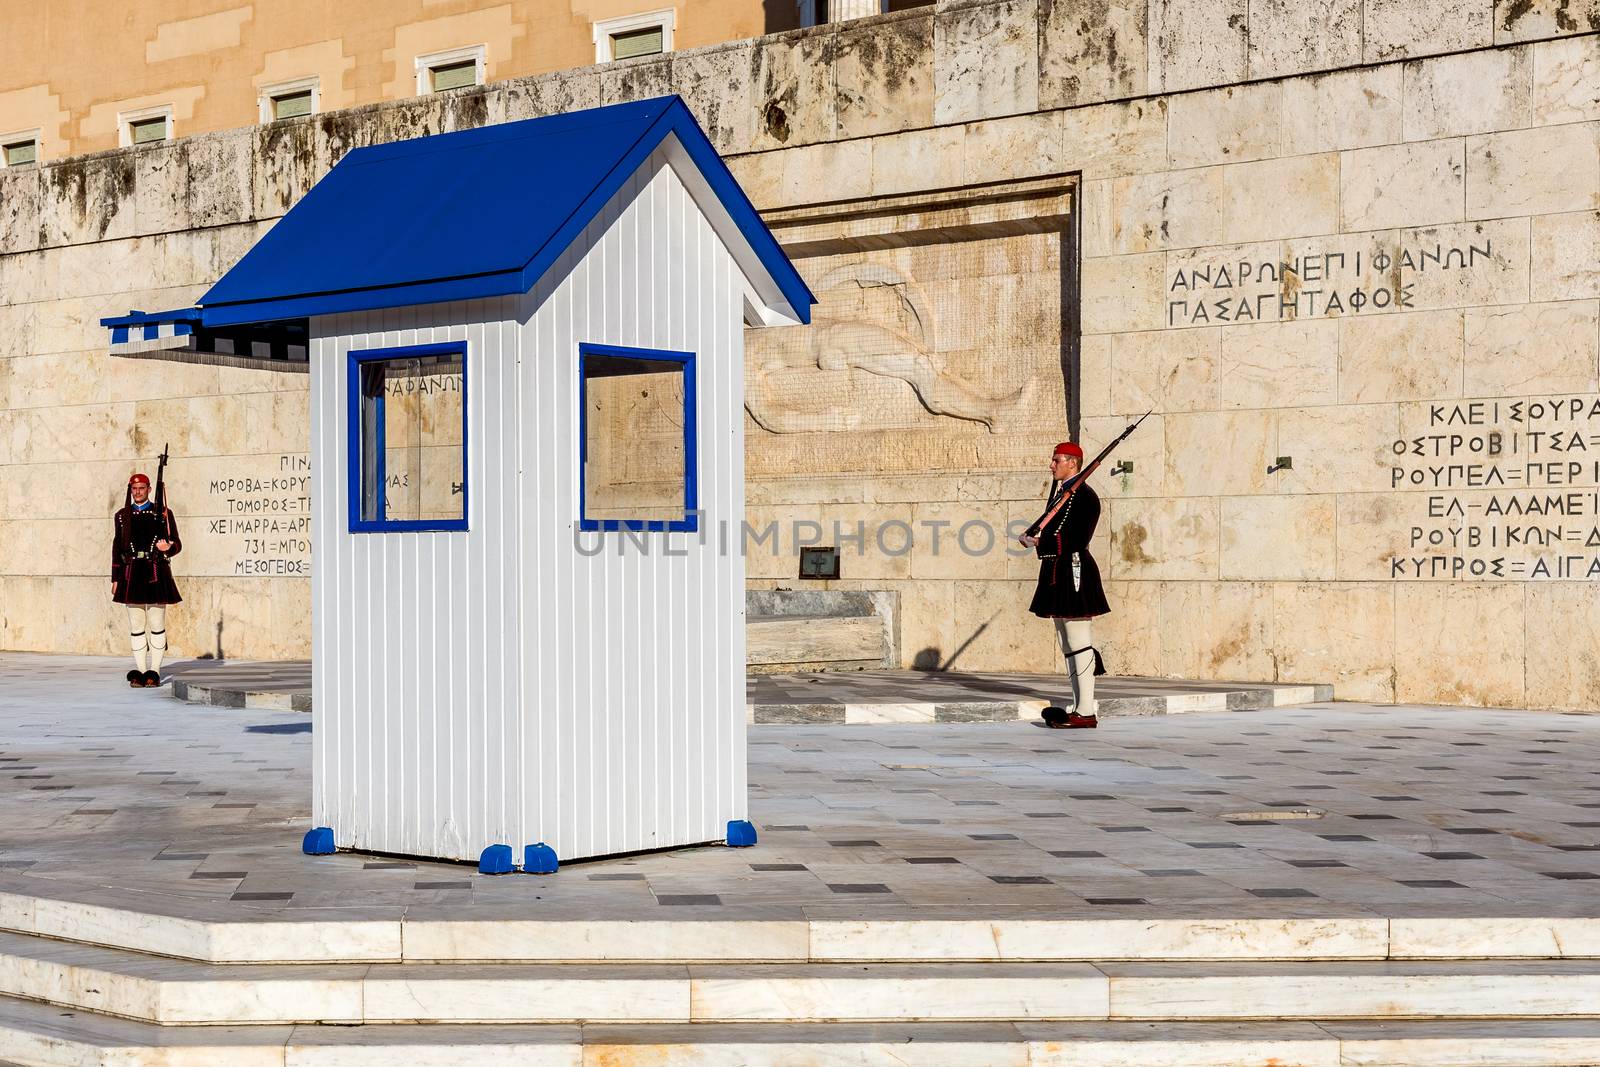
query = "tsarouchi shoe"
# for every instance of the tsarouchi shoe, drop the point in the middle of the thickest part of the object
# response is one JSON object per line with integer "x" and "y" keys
{"x": 136, "y": 678}
{"x": 1056, "y": 718}
{"x": 151, "y": 679}
{"x": 1081, "y": 722}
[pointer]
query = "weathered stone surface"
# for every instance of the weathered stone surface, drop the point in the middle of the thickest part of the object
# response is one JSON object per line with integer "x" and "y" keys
{"x": 1400, "y": 29}
{"x": 1007, "y": 149}
{"x": 1112, "y": 139}
{"x": 1092, "y": 50}
{"x": 1459, "y": 643}
{"x": 21, "y": 190}
{"x": 1533, "y": 349}
{"x": 1370, "y": 534}
{"x": 161, "y": 201}
{"x": 1527, "y": 20}
{"x": 1239, "y": 202}
{"x": 1345, "y": 109}
{"x": 1153, "y": 539}
{"x": 1563, "y": 650}
{"x": 1197, "y": 43}
{"x": 1566, "y": 80}
{"x": 1410, "y": 356}
{"x": 551, "y": 94}
{"x": 1405, "y": 183}
{"x": 1094, "y": 385}
{"x": 1566, "y": 256}
{"x": 883, "y": 76}
{"x": 1095, "y": 215}
{"x": 985, "y": 59}
{"x": 993, "y": 616}
{"x": 1496, "y": 253}
{"x": 1278, "y": 538}
{"x": 1474, "y": 92}
{"x": 1121, "y": 293}
{"x": 636, "y": 79}
{"x": 1129, "y": 638}
{"x": 1193, "y": 440}
{"x": 1234, "y": 640}
{"x": 1229, "y": 125}
{"x": 1295, "y": 36}
{"x": 1534, "y": 172}
{"x": 791, "y": 89}
{"x": 715, "y": 84}
{"x": 1345, "y": 447}
{"x": 915, "y": 162}
{"x": 1276, "y": 364}
{"x": 220, "y": 188}
{"x": 283, "y": 165}
{"x": 1336, "y": 632}
{"x": 86, "y": 200}
{"x": 1165, "y": 370}
{"x": 959, "y": 539}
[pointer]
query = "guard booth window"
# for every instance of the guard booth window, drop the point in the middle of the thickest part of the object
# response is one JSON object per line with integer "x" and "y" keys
{"x": 637, "y": 439}
{"x": 408, "y": 418}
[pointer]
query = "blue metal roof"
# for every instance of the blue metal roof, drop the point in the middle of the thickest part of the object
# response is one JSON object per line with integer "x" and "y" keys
{"x": 472, "y": 214}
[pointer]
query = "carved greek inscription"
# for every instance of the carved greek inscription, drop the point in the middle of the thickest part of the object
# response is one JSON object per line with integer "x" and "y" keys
{"x": 1509, "y": 490}
{"x": 267, "y": 518}
{"x": 1311, "y": 284}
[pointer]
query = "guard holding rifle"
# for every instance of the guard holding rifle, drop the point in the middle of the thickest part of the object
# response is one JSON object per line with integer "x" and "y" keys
{"x": 145, "y": 538}
{"x": 1069, "y": 590}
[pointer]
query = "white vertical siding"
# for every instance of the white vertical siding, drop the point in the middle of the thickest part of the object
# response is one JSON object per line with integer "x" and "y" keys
{"x": 498, "y": 685}
{"x": 634, "y": 671}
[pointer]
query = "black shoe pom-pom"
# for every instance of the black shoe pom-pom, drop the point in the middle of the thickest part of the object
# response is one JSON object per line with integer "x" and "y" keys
{"x": 135, "y": 677}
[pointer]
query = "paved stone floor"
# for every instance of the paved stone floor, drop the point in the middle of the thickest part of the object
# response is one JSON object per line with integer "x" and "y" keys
{"x": 124, "y": 795}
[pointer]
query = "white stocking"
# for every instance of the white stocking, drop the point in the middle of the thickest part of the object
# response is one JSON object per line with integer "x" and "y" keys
{"x": 1076, "y": 634}
{"x": 137, "y": 635}
{"x": 157, "y": 614}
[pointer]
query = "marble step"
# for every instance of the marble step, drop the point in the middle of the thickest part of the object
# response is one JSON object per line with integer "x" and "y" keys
{"x": 44, "y": 1036}
{"x": 214, "y": 933}
{"x": 152, "y": 989}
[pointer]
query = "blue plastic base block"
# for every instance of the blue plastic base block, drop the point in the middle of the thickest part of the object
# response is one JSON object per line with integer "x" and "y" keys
{"x": 496, "y": 859}
{"x": 318, "y": 841}
{"x": 540, "y": 859}
{"x": 740, "y": 834}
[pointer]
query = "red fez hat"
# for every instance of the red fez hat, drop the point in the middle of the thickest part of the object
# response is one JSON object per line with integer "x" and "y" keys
{"x": 1067, "y": 448}
{"x": 137, "y": 479}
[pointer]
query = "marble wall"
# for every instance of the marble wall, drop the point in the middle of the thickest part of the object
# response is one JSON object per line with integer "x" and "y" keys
{"x": 1363, "y": 234}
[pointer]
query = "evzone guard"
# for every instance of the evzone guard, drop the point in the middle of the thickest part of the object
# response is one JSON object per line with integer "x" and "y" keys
{"x": 1069, "y": 591}
{"x": 145, "y": 537}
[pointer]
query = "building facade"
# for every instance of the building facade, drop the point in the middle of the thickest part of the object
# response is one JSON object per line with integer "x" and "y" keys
{"x": 1359, "y": 235}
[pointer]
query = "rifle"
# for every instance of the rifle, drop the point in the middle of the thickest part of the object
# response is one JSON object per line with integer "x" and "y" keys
{"x": 161, "y": 490}
{"x": 1072, "y": 484}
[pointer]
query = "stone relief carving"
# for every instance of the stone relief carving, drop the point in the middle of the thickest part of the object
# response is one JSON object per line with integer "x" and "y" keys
{"x": 875, "y": 320}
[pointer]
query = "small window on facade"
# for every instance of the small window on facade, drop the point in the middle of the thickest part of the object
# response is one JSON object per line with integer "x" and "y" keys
{"x": 453, "y": 75}
{"x": 408, "y": 438}
{"x": 292, "y": 105}
{"x": 16, "y": 153}
{"x": 637, "y": 439}
{"x": 646, "y": 42}
{"x": 645, "y": 34}
{"x": 146, "y": 131}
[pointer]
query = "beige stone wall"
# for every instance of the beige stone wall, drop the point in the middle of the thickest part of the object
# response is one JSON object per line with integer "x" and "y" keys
{"x": 1452, "y": 145}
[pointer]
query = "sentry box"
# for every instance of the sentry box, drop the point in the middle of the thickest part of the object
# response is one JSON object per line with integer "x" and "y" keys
{"x": 526, "y": 356}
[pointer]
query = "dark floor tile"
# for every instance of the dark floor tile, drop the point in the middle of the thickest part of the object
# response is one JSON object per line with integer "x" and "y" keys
{"x": 388, "y": 866}
{"x": 1213, "y": 844}
{"x": 1116, "y": 900}
{"x": 689, "y": 898}
{"x": 932, "y": 859}
{"x": 442, "y": 885}
{"x": 777, "y": 867}
{"x": 261, "y": 896}
{"x": 221, "y": 875}
{"x": 1344, "y": 837}
{"x": 1126, "y": 829}
{"x": 1430, "y": 883}
{"x": 1284, "y": 893}
{"x": 861, "y": 842}
{"x": 1171, "y": 872}
{"x": 618, "y": 876}
{"x": 858, "y": 887}
{"x": 1453, "y": 855}
{"x": 993, "y": 837}
{"x": 1019, "y": 879}
{"x": 1075, "y": 854}
{"x": 1311, "y": 864}
{"x": 1571, "y": 876}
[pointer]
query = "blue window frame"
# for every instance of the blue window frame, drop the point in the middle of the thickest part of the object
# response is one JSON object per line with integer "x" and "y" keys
{"x": 417, "y": 393}
{"x": 632, "y": 473}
